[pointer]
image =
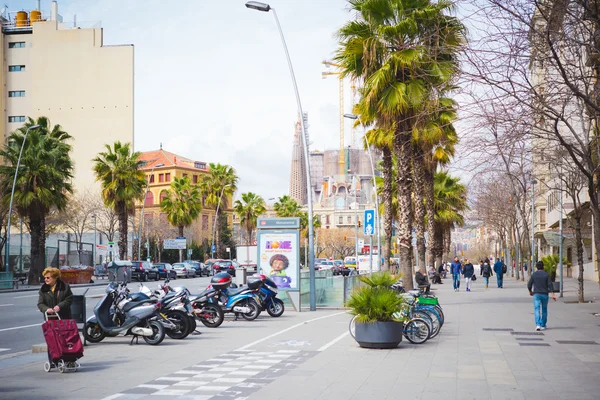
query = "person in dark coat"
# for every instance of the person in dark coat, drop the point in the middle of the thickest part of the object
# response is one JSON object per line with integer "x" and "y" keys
{"x": 456, "y": 270}
{"x": 422, "y": 282}
{"x": 499, "y": 270}
{"x": 468, "y": 272}
{"x": 486, "y": 272}
{"x": 55, "y": 296}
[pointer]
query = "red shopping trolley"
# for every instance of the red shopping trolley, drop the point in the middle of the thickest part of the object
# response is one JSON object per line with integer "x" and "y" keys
{"x": 64, "y": 343}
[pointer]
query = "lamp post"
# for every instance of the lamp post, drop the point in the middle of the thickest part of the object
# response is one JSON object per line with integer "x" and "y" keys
{"x": 12, "y": 194}
{"x": 353, "y": 116}
{"x": 560, "y": 222}
{"x": 143, "y": 207}
{"x": 212, "y": 252}
{"x": 355, "y": 221}
{"x": 533, "y": 182}
{"x": 255, "y": 5}
{"x": 94, "y": 250}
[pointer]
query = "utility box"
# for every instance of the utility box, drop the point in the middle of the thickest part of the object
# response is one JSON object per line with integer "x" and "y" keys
{"x": 240, "y": 276}
{"x": 117, "y": 270}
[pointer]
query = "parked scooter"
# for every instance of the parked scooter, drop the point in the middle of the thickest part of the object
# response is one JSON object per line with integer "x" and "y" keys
{"x": 115, "y": 314}
{"x": 268, "y": 296}
{"x": 240, "y": 301}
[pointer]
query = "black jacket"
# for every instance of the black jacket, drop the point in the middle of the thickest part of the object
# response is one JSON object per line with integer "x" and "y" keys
{"x": 421, "y": 279}
{"x": 486, "y": 270}
{"x": 468, "y": 270}
{"x": 540, "y": 282}
{"x": 62, "y": 297}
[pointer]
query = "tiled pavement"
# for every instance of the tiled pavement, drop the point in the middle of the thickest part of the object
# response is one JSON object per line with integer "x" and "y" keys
{"x": 234, "y": 375}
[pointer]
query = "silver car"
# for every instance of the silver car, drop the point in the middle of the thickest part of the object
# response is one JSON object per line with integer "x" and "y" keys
{"x": 184, "y": 270}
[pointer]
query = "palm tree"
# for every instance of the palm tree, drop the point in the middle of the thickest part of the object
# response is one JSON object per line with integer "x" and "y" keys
{"x": 405, "y": 52}
{"x": 123, "y": 182}
{"x": 286, "y": 206}
{"x": 182, "y": 204}
{"x": 249, "y": 209}
{"x": 43, "y": 182}
{"x": 218, "y": 185}
{"x": 450, "y": 202}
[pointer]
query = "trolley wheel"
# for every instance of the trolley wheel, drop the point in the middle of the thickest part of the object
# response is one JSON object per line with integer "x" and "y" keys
{"x": 47, "y": 366}
{"x": 61, "y": 366}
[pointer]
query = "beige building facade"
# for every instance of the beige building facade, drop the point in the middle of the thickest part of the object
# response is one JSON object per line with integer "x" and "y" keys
{"x": 66, "y": 73}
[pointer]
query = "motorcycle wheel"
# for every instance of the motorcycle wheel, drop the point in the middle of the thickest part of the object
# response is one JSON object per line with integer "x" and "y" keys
{"x": 93, "y": 333}
{"x": 145, "y": 278}
{"x": 180, "y": 319}
{"x": 275, "y": 308}
{"x": 192, "y": 324}
{"x": 255, "y": 309}
{"x": 216, "y": 316}
{"x": 159, "y": 333}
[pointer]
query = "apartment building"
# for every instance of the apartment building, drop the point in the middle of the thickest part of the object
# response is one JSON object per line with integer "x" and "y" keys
{"x": 65, "y": 72}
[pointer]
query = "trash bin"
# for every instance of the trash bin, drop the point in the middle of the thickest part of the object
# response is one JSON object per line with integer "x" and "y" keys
{"x": 240, "y": 276}
{"x": 117, "y": 271}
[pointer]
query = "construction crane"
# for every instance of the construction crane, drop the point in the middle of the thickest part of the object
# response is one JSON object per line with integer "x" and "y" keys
{"x": 325, "y": 74}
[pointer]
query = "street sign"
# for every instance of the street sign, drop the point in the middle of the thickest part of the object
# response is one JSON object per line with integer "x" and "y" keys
{"x": 180, "y": 237}
{"x": 174, "y": 244}
{"x": 213, "y": 248}
{"x": 281, "y": 223}
{"x": 369, "y": 222}
{"x": 228, "y": 250}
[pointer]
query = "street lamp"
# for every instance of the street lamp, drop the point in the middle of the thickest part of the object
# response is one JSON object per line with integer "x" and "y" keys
{"x": 212, "y": 246}
{"x": 143, "y": 207}
{"x": 94, "y": 250}
{"x": 354, "y": 116}
{"x": 255, "y": 5}
{"x": 533, "y": 182}
{"x": 355, "y": 220}
{"x": 12, "y": 193}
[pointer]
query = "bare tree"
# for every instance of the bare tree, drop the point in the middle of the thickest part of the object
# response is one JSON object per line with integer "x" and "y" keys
{"x": 77, "y": 217}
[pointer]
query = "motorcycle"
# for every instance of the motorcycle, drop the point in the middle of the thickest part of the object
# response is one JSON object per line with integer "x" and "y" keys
{"x": 240, "y": 301}
{"x": 268, "y": 296}
{"x": 115, "y": 314}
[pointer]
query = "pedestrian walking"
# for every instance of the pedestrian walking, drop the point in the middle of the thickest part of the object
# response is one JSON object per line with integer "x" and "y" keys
{"x": 539, "y": 286}
{"x": 486, "y": 272}
{"x": 468, "y": 272}
{"x": 499, "y": 270}
{"x": 456, "y": 270}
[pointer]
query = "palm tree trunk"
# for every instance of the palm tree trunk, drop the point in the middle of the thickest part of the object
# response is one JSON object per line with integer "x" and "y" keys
{"x": 447, "y": 241}
{"x": 180, "y": 233}
{"x": 403, "y": 150}
{"x": 438, "y": 244}
{"x": 121, "y": 210}
{"x": 38, "y": 248}
{"x": 430, "y": 207}
{"x": 419, "y": 204}
{"x": 388, "y": 217}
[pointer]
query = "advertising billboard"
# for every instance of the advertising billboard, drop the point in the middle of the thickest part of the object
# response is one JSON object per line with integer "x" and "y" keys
{"x": 279, "y": 257}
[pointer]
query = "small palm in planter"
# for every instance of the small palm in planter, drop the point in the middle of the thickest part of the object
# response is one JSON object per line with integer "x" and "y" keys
{"x": 375, "y": 306}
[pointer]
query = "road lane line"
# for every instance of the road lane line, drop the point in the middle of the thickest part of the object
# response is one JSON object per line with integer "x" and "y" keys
{"x": 1, "y": 350}
{"x": 19, "y": 327}
{"x": 6, "y": 305}
{"x": 22, "y": 297}
{"x": 287, "y": 329}
{"x": 334, "y": 341}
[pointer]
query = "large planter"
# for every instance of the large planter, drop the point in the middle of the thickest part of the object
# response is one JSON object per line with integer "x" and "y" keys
{"x": 556, "y": 287}
{"x": 379, "y": 335}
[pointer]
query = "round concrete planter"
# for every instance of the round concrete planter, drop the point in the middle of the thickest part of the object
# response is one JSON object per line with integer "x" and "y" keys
{"x": 379, "y": 335}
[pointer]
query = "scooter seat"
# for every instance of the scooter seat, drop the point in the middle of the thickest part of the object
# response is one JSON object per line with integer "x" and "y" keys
{"x": 133, "y": 304}
{"x": 233, "y": 292}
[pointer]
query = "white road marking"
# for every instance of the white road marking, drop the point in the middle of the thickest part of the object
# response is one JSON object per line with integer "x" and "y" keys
{"x": 6, "y": 305}
{"x": 29, "y": 295}
{"x": 334, "y": 341}
{"x": 114, "y": 396}
{"x": 19, "y": 327}
{"x": 287, "y": 329}
{"x": 1, "y": 350}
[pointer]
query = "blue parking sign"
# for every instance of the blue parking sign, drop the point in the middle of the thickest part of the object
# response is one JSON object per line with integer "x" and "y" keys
{"x": 369, "y": 222}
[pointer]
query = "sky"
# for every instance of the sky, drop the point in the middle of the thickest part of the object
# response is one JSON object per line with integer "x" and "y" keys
{"x": 212, "y": 81}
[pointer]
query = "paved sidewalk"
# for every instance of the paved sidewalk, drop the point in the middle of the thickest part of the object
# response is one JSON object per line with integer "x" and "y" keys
{"x": 466, "y": 361}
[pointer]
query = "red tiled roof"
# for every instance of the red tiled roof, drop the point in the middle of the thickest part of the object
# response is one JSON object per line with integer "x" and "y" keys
{"x": 169, "y": 159}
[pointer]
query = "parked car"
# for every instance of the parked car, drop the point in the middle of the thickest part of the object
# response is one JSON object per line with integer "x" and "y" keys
{"x": 339, "y": 267}
{"x": 164, "y": 270}
{"x": 225, "y": 266}
{"x": 143, "y": 271}
{"x": 318, "y": 262}
{"x": 184, "y": 270}
{"x": 210, "y": 264}
{"x": 199, "y": 267}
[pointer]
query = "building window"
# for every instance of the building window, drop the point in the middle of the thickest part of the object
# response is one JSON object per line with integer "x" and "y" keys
{"x": 163, "y": 194}
{"x": 16, "y": 93}
{"x": 199, "y": 165}
{"x": 16, "y": 68}
{"x": 16, "y": 45}
{"x": 327, "y": 219}
{"x": 149, "y": 199}
{"x": 204, "y": 222}
{"x": 16, "y": 118}
{"x": 161, "y": 178}
{"x": 340, "y": 220}
{"x": 168, "y": 177}
{"x": 349, "y": 219}
{"x": 542, "y": 218}
{"x": 195, "y": 179}
{"x": 152, "y": 178}
{"x": 185, "y": 175}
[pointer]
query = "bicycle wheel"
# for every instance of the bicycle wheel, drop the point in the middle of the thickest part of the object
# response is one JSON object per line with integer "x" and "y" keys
{"x": 352, "y": 327}
{"x": 433, "y": 322}
{"x": 437, "y": 313}
{"x": 416, "y": 331}
{"x": 437, "y": 323}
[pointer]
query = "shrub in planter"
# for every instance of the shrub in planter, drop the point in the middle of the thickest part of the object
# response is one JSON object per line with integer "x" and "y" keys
{"x": 551, "y": 264}
{"x": 375, "y": 306}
